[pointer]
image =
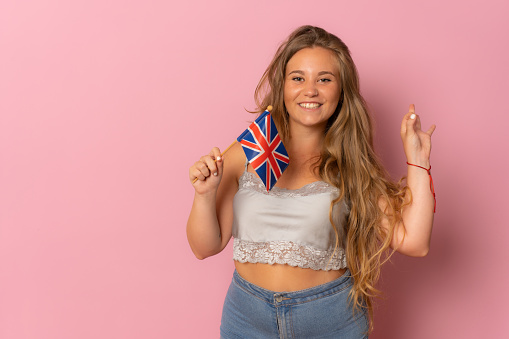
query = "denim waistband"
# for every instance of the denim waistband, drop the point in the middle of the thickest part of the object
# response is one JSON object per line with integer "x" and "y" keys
{"x": 295, "y": 297}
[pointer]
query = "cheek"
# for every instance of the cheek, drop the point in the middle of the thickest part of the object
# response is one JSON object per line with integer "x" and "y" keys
{"x": 289, "y": 92}
{"x": 334, "y": 95}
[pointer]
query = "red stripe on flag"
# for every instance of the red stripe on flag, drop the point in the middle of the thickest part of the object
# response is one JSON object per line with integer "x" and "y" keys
{"x": 281, "y": 157}
{"x": 273, "y": 162}
{"x": 250, "y": 145}
{"x": 268, "y": 178}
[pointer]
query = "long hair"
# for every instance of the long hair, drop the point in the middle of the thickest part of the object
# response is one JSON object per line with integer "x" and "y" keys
{"x": 348, "y": 161}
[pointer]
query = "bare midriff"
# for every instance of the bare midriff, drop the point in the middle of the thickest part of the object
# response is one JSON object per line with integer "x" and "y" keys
{"x": 285, "y": 278}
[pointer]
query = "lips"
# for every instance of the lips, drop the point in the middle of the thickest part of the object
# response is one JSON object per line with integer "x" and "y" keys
{"x": 309, "y": 105}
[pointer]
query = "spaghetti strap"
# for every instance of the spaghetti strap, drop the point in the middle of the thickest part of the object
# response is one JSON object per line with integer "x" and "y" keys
{"x": 245, "y": 166}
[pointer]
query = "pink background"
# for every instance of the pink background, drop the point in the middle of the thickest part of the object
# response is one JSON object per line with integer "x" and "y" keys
{"x": 105, "y": 104}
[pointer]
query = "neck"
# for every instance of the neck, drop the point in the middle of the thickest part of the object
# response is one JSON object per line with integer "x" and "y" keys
{"x": 304, "y": 143}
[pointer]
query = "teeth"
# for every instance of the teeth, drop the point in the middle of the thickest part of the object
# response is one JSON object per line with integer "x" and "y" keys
{"x": 309, "y": 105}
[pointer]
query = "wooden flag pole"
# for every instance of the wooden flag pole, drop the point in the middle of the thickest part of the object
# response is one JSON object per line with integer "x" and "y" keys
{"x": 269, "y": 108}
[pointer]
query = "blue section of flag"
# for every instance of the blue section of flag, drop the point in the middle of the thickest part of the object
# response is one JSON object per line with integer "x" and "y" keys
{"x": 264, "y": 149}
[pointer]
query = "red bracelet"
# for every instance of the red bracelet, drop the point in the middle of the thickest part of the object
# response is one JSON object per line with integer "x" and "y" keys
{"x": 431, "y": 187}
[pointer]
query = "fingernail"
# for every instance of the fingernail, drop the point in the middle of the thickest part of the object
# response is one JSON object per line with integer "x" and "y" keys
{"x": 215, "y": 174}
{"x": 218, "y": 158}
{"x": 412, "y": 116}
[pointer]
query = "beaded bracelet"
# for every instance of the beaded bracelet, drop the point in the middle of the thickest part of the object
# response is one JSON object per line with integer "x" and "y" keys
{"x": 431, "y": 187}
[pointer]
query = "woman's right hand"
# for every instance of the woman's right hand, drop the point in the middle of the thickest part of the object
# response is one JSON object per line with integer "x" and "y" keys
{"x": 205, "y": 175}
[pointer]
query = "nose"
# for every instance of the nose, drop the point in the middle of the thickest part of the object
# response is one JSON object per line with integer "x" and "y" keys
{"x": 311, "y": 90}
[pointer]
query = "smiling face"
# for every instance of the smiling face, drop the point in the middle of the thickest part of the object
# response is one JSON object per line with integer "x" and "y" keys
{"x": 312, "y": 87}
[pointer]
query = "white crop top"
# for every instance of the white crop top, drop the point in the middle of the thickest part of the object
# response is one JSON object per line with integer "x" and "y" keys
{"x": 285, "y": 226}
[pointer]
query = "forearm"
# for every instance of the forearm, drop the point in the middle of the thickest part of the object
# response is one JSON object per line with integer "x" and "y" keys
{"x": 203, "y": 230}
{"x": 418, "y": 216}
{"x": 414, "y": 233}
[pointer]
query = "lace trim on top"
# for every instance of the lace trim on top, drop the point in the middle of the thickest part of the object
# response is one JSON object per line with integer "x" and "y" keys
{"x": 287, "y": 252}
{"x": 251, "y": 181}
{"x": 283, "y": 251}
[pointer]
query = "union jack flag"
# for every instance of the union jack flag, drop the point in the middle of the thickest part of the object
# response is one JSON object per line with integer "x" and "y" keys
{"x": 264, "y": 149}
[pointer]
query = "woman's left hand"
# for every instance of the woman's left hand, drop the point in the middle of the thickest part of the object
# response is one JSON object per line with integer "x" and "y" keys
{"x": 417, "y": 144}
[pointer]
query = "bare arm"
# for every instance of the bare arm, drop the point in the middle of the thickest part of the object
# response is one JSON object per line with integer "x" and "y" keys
{"x": 209, "y": 226}
{"x": 412, "y": 236}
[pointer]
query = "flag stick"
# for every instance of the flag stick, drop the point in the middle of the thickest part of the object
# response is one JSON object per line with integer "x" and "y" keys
{"x": 269, "y": 108}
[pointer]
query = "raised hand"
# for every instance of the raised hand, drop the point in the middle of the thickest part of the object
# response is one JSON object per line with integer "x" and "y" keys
{"x": 416, "y": 143}
{"x": 205, "y": 175}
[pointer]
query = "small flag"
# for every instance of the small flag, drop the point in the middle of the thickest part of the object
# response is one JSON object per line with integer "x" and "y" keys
{"x": 264, "y": 149}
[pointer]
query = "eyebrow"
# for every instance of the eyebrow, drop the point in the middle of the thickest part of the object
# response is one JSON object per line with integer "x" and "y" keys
{"x": 319, "y": 73}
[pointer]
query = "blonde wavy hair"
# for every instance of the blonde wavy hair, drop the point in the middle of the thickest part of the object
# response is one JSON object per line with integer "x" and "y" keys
{"x": 348, "y": 161}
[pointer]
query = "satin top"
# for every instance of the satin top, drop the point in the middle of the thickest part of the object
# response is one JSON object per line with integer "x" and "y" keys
{"x": 286, "y": 226}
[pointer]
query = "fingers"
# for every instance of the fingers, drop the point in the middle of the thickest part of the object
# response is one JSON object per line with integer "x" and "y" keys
{"x": 412, "y": 123}
{"x": 417, "y": 125}
{"x": 431, "y": 130}
{"x": 208, "y": 165}
{"x": 216, "y": 153}
{"x": 218, "y": 160}
{"x": 199, "y": 171}
{"x": 409, "y": 120}
{"x": 411, "y": 109}
{"x": 413, "y": 119}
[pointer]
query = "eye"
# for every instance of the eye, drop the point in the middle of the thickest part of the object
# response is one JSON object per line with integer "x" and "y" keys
{"x": 325, "y": 80}
{"x": 297, "y": 79}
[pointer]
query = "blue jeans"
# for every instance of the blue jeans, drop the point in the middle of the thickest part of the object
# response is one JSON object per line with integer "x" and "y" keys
{"x": 322, "y": 311}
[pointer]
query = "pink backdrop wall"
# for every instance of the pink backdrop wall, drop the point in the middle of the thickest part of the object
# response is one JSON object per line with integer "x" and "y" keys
{"x": 105, "y": 104}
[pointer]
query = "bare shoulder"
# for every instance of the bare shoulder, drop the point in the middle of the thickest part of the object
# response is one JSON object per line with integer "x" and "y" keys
{"x": 234, "y": 161}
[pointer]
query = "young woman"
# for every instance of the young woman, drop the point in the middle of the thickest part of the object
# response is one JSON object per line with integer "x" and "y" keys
{"x": 308, "y": 253}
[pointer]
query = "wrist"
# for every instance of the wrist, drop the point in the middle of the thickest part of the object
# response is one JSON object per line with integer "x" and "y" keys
{"x": 431, "y": 186}
{"x": 205, "y": 196}
{"x": 419, "y": 162}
